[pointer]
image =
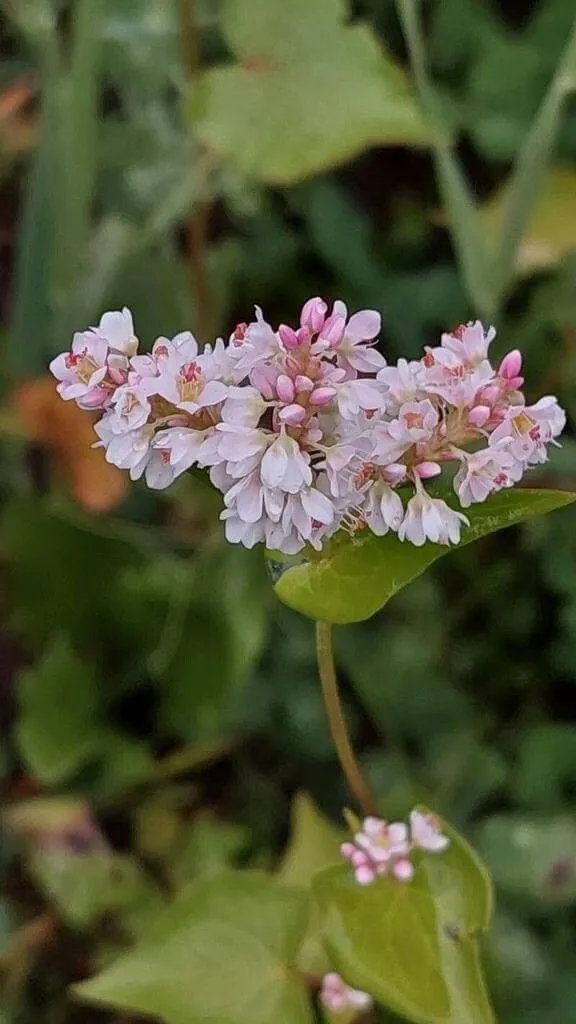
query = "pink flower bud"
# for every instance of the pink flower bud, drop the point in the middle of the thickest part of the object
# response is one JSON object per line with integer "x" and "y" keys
{"x": 511, "y": 365}
{"x": 490, "y": 394}
{"x": 426, "y": 470}
{"x": 285, "y": 388}
{"x": 321, "y": 396}
{"x": 288, "y": 337}
{"x": 403, "y": 870}
{"x": 347, "y": 850}
{"x": 394, "y": 473}
{"x": 313, "y": 314}
{"x": 333, "y": 330}
{"x": 359, "y": 859}
{"x": 293, "y": 415}
{"x": 303, "y": 383}
{"x": 479, "y": 415}
{"x": 364, "y": 875}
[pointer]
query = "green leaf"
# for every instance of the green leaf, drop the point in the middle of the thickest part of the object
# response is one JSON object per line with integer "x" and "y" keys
{"x": 273, "y": 113}
{"x": 221, "y": 953}
{"x": 58, "y": 728}
{"x": 210, "y": 847}
{"x": 354, "y": 577}
{"x": 314, "y": 843}
{"x": 413, "y": 946}
{"x": 79, "y": 884}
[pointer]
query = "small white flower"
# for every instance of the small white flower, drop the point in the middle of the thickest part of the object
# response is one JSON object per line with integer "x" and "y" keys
{"x": 117, "y": 330}
{"x": 82, "y": 371}
{"x": 383, "y": 508}
{"x": 470, "y": 342}
{"x": 402, "y": 384}
{"x": 432, "y": 519}
{"x": 186, "y": 447}
{"x": 285, "y": 466}
{"x": 352, "y": 396}
{"x": 352, "y": 352}
{"x": 416, "y": 421}
{"x": 426, "y": 834}
{"x": 484, "y": 472}
{"x": 131, "y": 409}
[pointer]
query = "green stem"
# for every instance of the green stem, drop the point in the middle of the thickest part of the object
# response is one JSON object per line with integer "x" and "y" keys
{"x": 338, "y": 729}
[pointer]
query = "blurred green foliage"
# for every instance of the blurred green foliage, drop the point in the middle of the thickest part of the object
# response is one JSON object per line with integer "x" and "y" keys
{"x": 160, "y": 708}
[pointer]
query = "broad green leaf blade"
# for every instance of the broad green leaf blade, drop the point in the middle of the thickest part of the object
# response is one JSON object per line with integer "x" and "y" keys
{"x": 221, "y": 952}
{"x": 354, "y": 577}
{"x": 273, "y": 113}
{"x": 58, "y": 729}
{"x": 414, "y": 946}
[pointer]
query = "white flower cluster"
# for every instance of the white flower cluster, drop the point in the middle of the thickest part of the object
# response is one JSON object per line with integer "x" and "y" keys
{"x": 306, "y": 430}
{"x": 383, "y": 848}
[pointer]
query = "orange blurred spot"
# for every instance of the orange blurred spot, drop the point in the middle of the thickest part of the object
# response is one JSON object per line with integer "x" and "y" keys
{"x": 66, "y": 432}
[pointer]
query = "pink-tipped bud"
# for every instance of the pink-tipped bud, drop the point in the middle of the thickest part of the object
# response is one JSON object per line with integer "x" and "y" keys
{"x": 313, "y": 314}
{"x": 293, "y": 415}
{"x": 321, "y": 396}
{"x": 285, "y": 388}
{"x": 490, "y": 394}
{"x": 288, "y": 337}
{"x": 479, "y": 415}
{"x": 364, "y": 875}
{"x": 333, "y": 330}
{"x": 303, "y": 383}
{"x": 394, "y": 473}
{"x": 403, "y": 870}
{"x": 426, "y": 470}
{"x": 347, "y": 850}
{"x": 511, "y": 365}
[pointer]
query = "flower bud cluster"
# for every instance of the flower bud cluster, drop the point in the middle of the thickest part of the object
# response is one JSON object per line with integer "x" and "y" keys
{"x": 337, "y": 997}
{"x": 384, "y": 848}
{"x": 305, "y": 429}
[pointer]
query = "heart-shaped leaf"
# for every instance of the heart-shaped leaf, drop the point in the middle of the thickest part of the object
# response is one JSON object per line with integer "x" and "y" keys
{"x": 413, "y": 946}
{"x": 222, "y": 952}
{"x": 58, "y": 729}
{"x": 273, "y": 113}
{"x": 355, "y": 576}
{"x": 314, "y": 845}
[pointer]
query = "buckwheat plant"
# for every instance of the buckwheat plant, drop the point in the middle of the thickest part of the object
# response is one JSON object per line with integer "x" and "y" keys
{"x": 306, "y": 430}
{"x": 307, "y": 433}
